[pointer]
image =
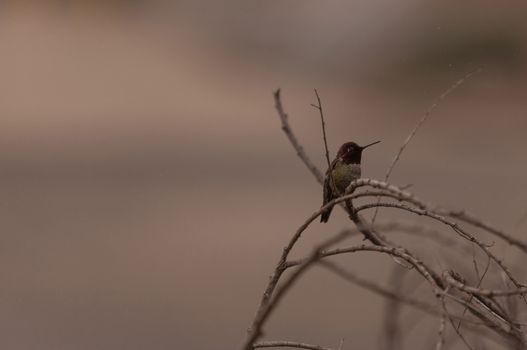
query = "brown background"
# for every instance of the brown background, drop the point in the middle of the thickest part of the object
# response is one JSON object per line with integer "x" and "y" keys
{"x": 147, "y": 189}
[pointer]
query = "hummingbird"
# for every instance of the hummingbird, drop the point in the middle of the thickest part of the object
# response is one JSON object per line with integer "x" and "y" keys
{"x": 344, "y": 169}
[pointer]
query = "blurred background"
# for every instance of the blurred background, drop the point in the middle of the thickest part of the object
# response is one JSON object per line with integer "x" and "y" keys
{"x": 147, "y": 189}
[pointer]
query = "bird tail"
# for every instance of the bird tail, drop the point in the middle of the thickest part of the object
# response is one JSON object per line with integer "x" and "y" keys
{"x": 324, "y": 216}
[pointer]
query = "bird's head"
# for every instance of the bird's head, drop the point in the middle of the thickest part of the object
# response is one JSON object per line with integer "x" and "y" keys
{"x": 351, "y": 153}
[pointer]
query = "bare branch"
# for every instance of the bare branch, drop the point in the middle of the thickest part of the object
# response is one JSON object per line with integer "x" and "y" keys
{"x": 288, "y": 344}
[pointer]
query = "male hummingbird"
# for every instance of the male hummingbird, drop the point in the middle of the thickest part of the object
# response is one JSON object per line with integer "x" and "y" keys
{"x": 344, "y": 169}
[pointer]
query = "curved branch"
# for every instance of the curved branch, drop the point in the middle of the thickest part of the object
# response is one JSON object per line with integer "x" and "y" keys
{"x": 401, "y": 253}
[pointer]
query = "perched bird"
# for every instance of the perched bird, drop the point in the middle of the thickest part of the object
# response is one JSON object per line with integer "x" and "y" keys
{"x": 343, "y": 169}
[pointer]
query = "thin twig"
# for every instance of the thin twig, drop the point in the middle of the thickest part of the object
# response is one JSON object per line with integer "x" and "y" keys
{"x": 288, "y": 344}
{"x": 323, "y": 122}
{"x": 329, "y": 173}
{"x": 419, "y": 123}
{"x": 474, "y": 261}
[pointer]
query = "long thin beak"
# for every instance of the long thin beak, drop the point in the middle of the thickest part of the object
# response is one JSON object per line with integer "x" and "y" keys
{"x": 370, "y": 144}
